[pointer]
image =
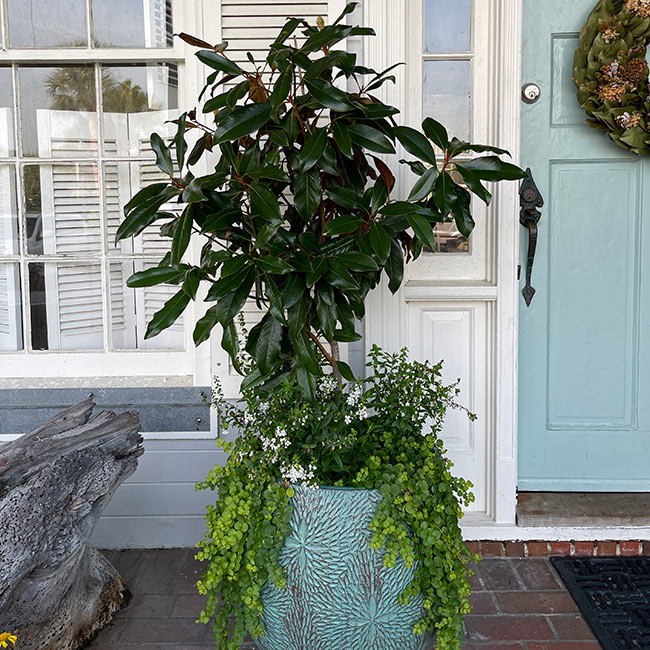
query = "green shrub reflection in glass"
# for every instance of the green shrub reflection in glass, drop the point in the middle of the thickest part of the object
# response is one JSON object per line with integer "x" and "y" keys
{"x": 300, "y": 213}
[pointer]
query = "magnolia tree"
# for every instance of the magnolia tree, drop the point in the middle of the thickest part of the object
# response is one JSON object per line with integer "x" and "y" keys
{"x": 299, "y": 212}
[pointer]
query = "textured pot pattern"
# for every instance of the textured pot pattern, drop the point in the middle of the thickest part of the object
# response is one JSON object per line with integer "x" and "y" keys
{"x": 339, "y": 595}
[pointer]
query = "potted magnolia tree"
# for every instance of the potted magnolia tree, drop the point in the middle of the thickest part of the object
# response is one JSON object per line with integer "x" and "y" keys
{"x": 301, "y": 215}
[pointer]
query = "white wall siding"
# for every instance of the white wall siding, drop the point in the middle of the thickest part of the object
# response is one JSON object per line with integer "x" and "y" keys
{"x": 158, "y": 506}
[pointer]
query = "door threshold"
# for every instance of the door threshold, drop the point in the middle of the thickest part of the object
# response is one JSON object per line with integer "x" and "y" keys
{"x": 577, "y": 509}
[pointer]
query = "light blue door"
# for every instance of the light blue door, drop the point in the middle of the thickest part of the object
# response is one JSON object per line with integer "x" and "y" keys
{"x": 584, "y": 358}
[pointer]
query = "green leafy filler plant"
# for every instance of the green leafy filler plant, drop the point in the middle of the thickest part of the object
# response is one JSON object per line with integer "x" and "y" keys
{"x": 300, "y": 214}
{"x": 371, "y": 434}
{"x": 299, "y": 211}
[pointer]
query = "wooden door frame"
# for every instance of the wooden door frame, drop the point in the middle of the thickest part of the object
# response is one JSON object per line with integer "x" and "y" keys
{"x": 389, "y": 18}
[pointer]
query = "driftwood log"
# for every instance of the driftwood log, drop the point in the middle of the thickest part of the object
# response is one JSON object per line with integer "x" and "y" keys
{"x": 55, "y": 589}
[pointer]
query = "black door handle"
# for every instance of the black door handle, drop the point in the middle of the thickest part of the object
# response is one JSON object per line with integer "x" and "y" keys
{"x": 529, "y": 200}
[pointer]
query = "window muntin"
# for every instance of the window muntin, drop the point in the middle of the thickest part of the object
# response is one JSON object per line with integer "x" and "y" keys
{"x": 83, "y": 126}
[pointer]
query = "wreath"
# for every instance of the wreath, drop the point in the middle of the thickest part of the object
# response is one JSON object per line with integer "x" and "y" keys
{"x": 611, "y": 71}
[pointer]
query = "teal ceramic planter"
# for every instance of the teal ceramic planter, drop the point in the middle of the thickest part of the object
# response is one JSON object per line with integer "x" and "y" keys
{"x": 339, "y": 595}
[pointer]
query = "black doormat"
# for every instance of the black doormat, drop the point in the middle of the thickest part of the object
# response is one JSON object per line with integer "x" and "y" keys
{"x": 613, "y": 594}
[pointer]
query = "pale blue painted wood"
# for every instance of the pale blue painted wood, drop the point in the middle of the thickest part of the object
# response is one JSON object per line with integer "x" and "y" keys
{"x": 584, "y": 357}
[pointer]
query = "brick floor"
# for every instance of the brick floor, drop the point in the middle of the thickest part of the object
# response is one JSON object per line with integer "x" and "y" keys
{"x": 519, "y": 604}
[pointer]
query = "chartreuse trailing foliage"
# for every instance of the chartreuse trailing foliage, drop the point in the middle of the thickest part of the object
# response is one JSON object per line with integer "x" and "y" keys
{"x": 299, "y": 212}
{"x": 369, "y": 435}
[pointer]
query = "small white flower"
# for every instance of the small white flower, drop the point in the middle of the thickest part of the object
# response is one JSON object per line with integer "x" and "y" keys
{"x": 348, "y": 419}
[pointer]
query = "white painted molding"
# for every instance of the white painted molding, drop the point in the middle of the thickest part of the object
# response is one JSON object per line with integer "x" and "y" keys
{"x": 507, "y": 40}
{"x": 500, "y": 28}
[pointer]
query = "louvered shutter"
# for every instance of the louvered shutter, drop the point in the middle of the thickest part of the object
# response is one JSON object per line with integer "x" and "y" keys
{"x": 252, "y": 25}
{"x": 10, "y": 327}
{"x": 71, "y": 223}
{"x": 151, "y": 299}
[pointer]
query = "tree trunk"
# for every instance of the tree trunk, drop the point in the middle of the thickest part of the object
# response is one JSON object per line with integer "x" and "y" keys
{"x": 55, "y": 589}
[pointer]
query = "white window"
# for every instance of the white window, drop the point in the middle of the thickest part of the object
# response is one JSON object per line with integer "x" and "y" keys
{"x": 83, "y": 84}
{"x": 447, "y": 67}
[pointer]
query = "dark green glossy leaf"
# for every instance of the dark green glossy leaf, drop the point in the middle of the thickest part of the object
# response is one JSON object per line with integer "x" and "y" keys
{"x": 415, "y": 143}
{"x": 395, "y": 266}
{"x": 399, "y": 208}
{"x": 179, "y": 141}
{"x": 325, "y": 37}
{"x": 436, "y": 132}
{"x": 264, "y": 203}
{"x": 345, "y": 370}
{"x": 153, "y": 276}
{"x": 423, "y": 230}
{"x": 307, "y": 193}
{"x": 205, "y": 325}
{"x": 462, "y": 212}
{"x": 266, "y": 234}
{"x": 267, "y": 349}
{"x": 163, "y": 157}
{"x": 474, "y": 183}
{"x": 306, "y": 351}
{"x": 312, "y": 150}
{"x": 328, "y": 95}
{"x": 379, "y": 195}
{"x": 344, "y": 336}
{"x": 380, "y": 241}
{"x": 218, "y": 62}
{"x": 168, "y": 315}
{"x": 281, "y": 88}
{"x": 370, "y": 138}
{"x": 272, "y": 264}
{"x": 193, "y": 192}
{"x": 144, "y": 195}
{"x": 182, "y": 235}
{"x": 191, "y": 283}
{"x": 445, "y": 194}
{"x": 416, "y": 166}
{"x": 243, "y": 120}
{"x": 203, "y": 143}
{"x": 491, "y": 168}
{"x": 346, "y": 197}
{"x": 457, "y": 146}
{"x": 231, "y": 304}
{"x": 326, "y": 312}
{"x": 230, "y": 343}
{"x": 349, "y": 8}
{"x": 319, "y": 268}
{"x": 343, "y": 225}
{"x": 143, "y": 214}
{"x": 424, "y": 185}
{"x": 292, "y": 290}
{"x": 339, "y": 276}
{"x": 357, "y": 261}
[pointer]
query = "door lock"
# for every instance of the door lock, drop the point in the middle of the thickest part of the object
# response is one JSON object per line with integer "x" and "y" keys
{"x": 530, "y": 93}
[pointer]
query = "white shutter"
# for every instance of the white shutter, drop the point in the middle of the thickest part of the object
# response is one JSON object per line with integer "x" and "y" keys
{"x": 252, "y": 25}
{"x": 71, "y": 222}
{"x": 10, "y": 325}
